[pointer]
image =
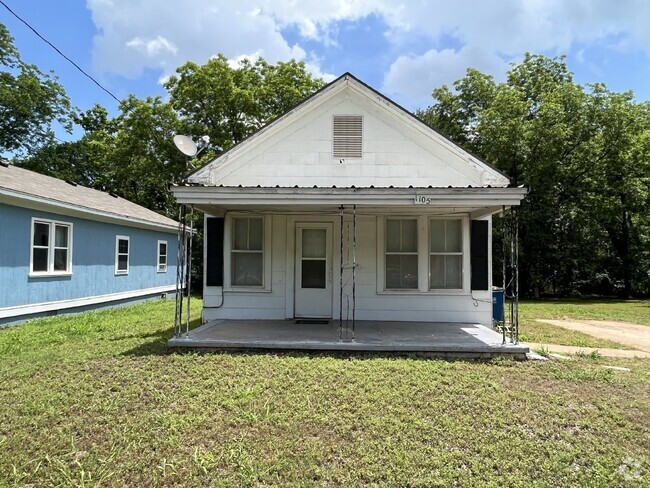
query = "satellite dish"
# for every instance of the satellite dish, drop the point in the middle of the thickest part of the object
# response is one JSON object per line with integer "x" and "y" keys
{"x": 186, "y": 145}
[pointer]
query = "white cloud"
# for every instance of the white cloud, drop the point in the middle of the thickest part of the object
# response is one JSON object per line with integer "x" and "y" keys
{"x": 134, "y": 35}
{"x": 152, "y": 47}
{"x": 411, "y": 78}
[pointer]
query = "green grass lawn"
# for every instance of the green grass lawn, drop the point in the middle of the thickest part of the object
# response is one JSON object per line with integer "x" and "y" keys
{"x": 96, "y": 399}
{"x": 635, "y": 311}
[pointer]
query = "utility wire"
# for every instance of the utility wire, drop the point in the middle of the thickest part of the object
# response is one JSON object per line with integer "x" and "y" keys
{"x": 58, "y": 51}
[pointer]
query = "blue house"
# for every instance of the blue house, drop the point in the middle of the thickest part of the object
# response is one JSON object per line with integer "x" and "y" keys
{"x": 66, "y": 248}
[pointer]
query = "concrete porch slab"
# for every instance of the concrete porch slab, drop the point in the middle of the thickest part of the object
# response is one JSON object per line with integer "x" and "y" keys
{"x": 430, "y": 338}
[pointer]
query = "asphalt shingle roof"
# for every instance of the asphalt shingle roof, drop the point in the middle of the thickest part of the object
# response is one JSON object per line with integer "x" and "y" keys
{"x": 56, "y": 191}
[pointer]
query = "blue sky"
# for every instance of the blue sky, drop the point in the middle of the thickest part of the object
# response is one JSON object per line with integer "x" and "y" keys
{"x": 404, "y": 49}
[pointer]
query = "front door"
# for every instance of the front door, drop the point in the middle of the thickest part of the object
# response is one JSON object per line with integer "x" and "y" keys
{"x": 313, "y": 270}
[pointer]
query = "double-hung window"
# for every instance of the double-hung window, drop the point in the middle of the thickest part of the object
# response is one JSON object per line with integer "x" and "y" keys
{"x": 401, "y": 254}
{"x": 162, "y": 256}
{"x": 423, "y": 254}
{"x": 247, "y": 252}
{"x": 51, "y": 251}
{"x": 445, "y": 254}
{"x": 122, "y": 249}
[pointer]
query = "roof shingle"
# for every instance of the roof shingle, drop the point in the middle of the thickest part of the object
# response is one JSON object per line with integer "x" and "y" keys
{"x": 59, "y": 192}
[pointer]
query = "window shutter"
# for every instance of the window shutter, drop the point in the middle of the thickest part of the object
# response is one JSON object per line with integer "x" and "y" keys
{"x": 214, "y": 252}
{"x": 347, "y": 136}
{"x": 479, "y": 255}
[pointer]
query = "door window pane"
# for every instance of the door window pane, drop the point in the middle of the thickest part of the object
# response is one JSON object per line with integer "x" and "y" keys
{"x": 314, "y": 243}
{"x": 247, "y": 269}
{"x": 314, "y": 273}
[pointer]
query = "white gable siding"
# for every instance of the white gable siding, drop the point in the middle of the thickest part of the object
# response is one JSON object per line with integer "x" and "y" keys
{"x": 397, "y": 151}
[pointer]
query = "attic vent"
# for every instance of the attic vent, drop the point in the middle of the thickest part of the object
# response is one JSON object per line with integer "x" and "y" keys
{"x": 347, "y": 140}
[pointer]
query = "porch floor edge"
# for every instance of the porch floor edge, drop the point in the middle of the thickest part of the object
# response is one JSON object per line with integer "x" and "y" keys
{"x": 443, "y": 339}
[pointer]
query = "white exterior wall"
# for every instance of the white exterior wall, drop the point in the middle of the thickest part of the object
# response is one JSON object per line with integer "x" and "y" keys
{"x": 372, "y": 303}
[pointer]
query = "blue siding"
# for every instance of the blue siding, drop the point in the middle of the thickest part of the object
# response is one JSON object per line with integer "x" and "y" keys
{"x": 93, "y": 260}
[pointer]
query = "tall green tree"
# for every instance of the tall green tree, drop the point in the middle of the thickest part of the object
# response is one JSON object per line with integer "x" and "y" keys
{"x": 228, "y": 102}
{"x": 30, "y": 101}
{"x": 132, "y": 154}
{"x": 580, "y": 150}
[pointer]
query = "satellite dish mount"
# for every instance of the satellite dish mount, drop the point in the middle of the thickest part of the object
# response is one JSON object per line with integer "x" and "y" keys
{"x": 190, "y": 148}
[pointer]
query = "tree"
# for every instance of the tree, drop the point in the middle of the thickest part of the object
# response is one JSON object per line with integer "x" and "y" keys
{"x": 29, "y": 101}
{"x": 581, "y": 151}
{"x": 132, "y": 155}
{"x": 229, "y": 103}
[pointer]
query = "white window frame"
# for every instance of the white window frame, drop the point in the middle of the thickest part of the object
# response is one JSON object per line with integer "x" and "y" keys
{"x": 266, "y": 255}
{"x": 161, "y": 268}
{"x": 50, "y": 248}
{"x": 423, "y": 257}
{"x": 122, "y": 272}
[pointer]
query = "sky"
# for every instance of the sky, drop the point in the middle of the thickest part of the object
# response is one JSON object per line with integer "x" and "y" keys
{"x": 403, "y": 49}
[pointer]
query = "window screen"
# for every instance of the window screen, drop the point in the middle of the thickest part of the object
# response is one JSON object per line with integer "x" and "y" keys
{"x": 445, "y": 254}
{"x": 247, "y": 252}
{"x": 401, "y": 254}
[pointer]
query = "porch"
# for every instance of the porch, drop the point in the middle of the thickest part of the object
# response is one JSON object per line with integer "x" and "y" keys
{"x": 427, "y": 338}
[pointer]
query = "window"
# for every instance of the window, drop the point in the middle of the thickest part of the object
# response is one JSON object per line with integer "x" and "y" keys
{"x": 402, "y": 254}
{"x": 122, "y": 248}
{"x": 51, "y": 247}
{"x": 347, "y": 136}
{"x": 445, "y": 254}
{"x": 423, "y": 254}
{"x": 247, "y": 251}
{"x": 162, "y": 256}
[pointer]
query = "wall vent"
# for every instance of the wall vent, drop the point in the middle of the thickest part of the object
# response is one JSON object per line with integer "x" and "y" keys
{"x": 347, "y": 136}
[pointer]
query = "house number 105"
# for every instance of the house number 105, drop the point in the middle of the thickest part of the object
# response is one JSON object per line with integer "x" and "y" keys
{"x": 422, "y": 200}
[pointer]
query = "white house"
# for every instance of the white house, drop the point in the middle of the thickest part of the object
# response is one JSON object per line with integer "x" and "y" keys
{"x": 348, "y": 205}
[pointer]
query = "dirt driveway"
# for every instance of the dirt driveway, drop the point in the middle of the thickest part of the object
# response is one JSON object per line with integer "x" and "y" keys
{"x": 635, "y": 335}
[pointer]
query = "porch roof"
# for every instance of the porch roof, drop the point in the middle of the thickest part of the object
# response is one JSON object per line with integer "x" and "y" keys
{"x": 476, "y": 201}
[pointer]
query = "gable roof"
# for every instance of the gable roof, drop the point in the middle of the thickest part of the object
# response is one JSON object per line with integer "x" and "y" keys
{"x": 226, "y": 168}
{"x": 22, "y": 187}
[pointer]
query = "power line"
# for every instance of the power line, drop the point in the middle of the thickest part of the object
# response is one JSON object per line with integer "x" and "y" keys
{"x": 58, "y": 51}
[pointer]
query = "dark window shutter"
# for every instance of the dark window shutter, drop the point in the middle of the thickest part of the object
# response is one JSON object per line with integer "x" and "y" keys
{"x": 214, "y": 252}
{"x": 479, "y": 255}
